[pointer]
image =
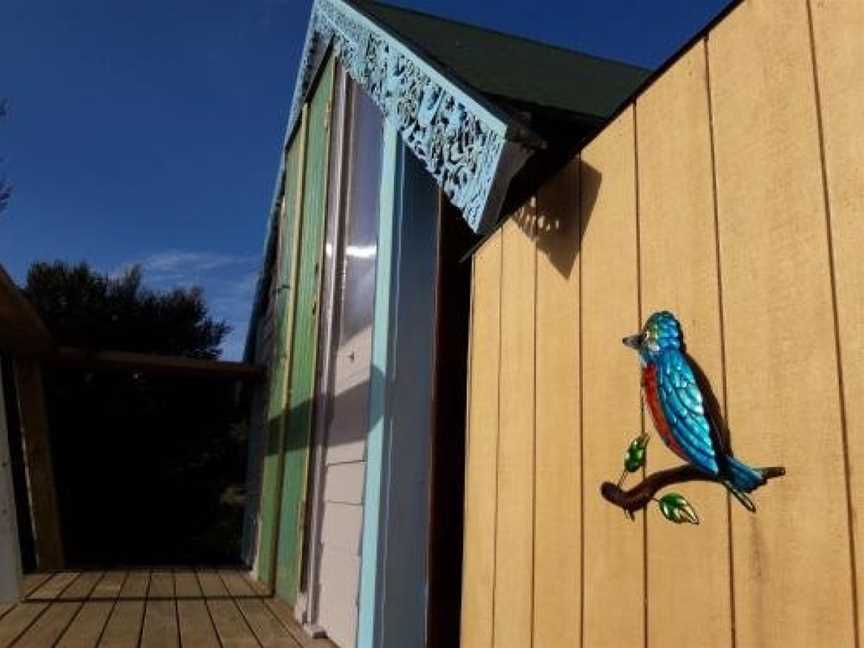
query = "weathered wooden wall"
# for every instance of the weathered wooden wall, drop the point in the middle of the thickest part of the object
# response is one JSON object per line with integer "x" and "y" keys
{"x": 731, "y": 191}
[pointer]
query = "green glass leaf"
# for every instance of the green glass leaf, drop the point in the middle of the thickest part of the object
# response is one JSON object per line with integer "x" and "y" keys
{"x": 635, "y": 457}
{"x": 677, "y": 509}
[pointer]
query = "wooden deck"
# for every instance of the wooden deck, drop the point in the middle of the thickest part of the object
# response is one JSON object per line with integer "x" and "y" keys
{"x": 194, "y": 608}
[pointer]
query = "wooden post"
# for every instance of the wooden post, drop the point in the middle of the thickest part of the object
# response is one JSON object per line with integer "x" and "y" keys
{"x": 40, "y": 468}
{"x": 10, "y": 554}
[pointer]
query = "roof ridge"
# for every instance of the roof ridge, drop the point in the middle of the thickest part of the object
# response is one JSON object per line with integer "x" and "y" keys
{"x": 498, "y": 32}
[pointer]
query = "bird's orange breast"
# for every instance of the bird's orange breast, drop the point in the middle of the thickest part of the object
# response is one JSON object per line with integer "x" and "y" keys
{"x": 652, "y": 399}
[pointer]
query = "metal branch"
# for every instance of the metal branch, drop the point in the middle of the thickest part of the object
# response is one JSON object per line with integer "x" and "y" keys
{"x": 638, "y": 497}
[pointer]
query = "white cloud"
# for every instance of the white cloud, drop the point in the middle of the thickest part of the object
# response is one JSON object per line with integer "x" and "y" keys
{"x": 174, "y": 261}
{"x": 228, "y": 282}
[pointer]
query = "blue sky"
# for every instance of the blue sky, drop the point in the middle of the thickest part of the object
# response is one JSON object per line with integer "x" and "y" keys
{"x": 149, "y": 132}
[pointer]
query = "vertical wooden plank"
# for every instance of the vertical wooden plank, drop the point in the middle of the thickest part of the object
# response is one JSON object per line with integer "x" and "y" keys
{"x": 10, "y": 552}
{"x": 136, "y": 585}
{"x": 160, "y": 625}
{"x": 688, "y": 568}
{"x": 839, "y": 50}
{"x": 82, "y": 587}
{"x": 211, "y": 584}
{"x": 124, "y": 625}
{"x": 32, "y": 582}
{"x": 267, "y": 628}
{"x": 405, "y": 565}
{"x": 558, "y": 539}
{"x": 370, "y": 578}
{"x": 85, "y": 630}
{"x": 232, "y": 629}
{"x": 160, "y": 614}
{"x": 236, "y": 584}
{"x": 304, "y": 341}
{"x": 54, "y": 587}
{"x": 186, "y": 584}
{"x": 18, "y": 619}
{"x": 109, "y": 587}
{"x": 50, "y": 626}
{"x": 481, "y": 466}
{"x": 514, "y": 554}
{"x": 792, "y": 560}
{"x": 614, "y": 554}
{"x": 287, "y": 262}
{"x": 283, "y": 612}
{"x": 196, "y": 627}
{"x": 161, "y": 585}
{"x": 40, "y": 465}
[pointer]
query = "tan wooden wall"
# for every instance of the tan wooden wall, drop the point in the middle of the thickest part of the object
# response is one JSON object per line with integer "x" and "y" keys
{"x": 731, "y": 192}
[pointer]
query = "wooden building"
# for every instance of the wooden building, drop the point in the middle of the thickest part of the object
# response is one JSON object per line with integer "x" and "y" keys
{"x": 406, "y": 142}
{"x": 727, "y": 187}
{"x": 729, "y": 190}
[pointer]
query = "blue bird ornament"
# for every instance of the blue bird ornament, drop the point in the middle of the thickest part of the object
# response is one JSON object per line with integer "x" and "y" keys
{"x": 683, "y": 409}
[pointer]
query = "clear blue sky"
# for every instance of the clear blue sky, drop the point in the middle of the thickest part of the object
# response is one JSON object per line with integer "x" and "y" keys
{"x": 150, "y": 131}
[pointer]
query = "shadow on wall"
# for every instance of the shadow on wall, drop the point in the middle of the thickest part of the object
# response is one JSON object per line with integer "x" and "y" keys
{"x": 297, "y": 423}
{"x": 553, "y": 219}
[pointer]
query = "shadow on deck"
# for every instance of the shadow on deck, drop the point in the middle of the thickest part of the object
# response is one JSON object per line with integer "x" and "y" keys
{"x": 192, "y": 608}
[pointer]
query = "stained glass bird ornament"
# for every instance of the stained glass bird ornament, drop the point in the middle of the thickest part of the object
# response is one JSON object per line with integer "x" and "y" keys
{"x": 683, "y": 410}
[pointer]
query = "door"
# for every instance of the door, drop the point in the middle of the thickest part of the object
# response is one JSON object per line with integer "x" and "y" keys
{"x": 342, "y": 402}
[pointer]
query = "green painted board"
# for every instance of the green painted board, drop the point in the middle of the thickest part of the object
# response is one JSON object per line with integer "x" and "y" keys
{"x": 286, "y": 267}
{"x": 305, "y": 341}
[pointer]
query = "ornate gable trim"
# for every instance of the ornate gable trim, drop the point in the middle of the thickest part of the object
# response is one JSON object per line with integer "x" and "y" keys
{"x": 469, "y": 147}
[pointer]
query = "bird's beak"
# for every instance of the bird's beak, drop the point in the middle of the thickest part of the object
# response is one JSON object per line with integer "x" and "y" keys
{"x": 633, "y": 341}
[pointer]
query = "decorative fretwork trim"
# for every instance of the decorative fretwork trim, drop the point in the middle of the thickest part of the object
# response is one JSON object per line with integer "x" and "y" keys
{"x": 468, "y": 147}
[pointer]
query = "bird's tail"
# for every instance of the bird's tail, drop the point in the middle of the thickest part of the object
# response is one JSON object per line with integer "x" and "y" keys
{"x": 742, "y": 479}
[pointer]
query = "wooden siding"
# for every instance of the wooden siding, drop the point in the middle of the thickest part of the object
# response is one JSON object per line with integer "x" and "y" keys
{"x": 10, "y": 554}
{"x": 304, "y": 340}
{"x": 730, "y": 191}
{"x": 839, "y": 55}
{"x": 276, "y": 340}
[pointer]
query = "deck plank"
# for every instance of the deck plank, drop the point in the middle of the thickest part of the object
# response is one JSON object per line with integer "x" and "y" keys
{"x": 260, "y": 588}
{"x": 211, "y": 584}
{"x": 230, "y": 625}
{"x": 124, "y": 625}
{"x": 196, "y": 626}
{"x": 87, "y": 627}
{"x": 160, "y": 624}
{"x": 32, "y": 582}
{"x": 269, "y": 630}
{"x": 18, "y": 620}
{"x": 50, "y": 626}
{"x": 82, "y": 587}
{"x": 161, "y": 585}
{"x": 282, "y": 611}
{"x": 136, "y": 585}
{"x": 53, "y": 587}
{"x": 109, "y": 587}
{"x": 186, "y": 584}
{"x": 236, "y": 585}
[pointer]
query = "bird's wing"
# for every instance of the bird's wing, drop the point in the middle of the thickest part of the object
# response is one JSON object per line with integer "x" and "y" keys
{"x": 684, "y": 408}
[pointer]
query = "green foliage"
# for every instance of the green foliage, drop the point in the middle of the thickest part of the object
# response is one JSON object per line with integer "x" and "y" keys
{"x": 83, "y": 308}
{"x": 677, "y": 509}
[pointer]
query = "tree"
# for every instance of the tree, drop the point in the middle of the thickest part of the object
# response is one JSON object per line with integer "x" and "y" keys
{"x": 83, "y": 308}
{"x": 147, "y": 467}
{"x": 5, "y": 187}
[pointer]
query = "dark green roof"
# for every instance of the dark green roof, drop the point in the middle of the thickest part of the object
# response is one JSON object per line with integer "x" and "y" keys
{"x": 519, "y": 71}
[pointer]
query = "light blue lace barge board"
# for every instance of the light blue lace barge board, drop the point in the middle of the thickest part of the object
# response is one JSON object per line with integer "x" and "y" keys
{"x": 469, "y": 146}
